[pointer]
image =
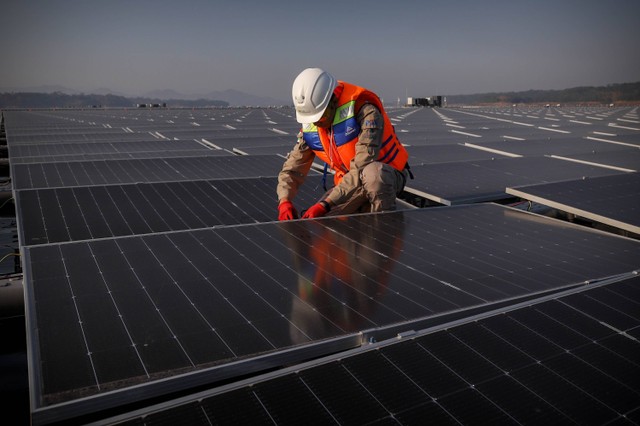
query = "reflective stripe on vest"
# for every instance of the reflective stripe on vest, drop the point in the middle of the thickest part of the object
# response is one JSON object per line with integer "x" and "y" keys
{"x": 311, "y": 137}
{"x": 345, "y": 128}
{"x": 345, "y": 125}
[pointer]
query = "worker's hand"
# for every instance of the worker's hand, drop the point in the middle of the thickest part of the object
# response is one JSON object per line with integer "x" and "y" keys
{"x": 316, "y": 210}
{"x": 286, "y": 211}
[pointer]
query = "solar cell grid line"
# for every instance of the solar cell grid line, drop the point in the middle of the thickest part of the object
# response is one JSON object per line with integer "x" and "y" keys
{"x": 125, "y": 211}
{"x": 474, "y": 372}
{"x": 131, "y": 209}
{"x": 168, "y": 297}
{"x": 273, "y": 298}
{"x": 362, "y": 295}
{"x": 155, "y": 217}
{"x": 212, "y": 203}
{"x": 173, "y": 213}
{"x": 30, "y": 210}
{"x": 252, "y": 206}
{"x": 146, "y": 274}
{"x": 73, "y": 217}
{"x": 443, "y": 249}
{"x": 120, "y": 156}
{"x": 441, "y": 243}
{"x": 135, "y": 170}
{"x": 537, "y": 244}
{"x": 43, "y": 175}
{"x": 80, "y": 174}
{"x": 276, "y": 296}
{"x": 401, "y": 279}
{"x": 600, "y": 247}
{"x": 611, "y": 311}
{"x": 108, "y": 220}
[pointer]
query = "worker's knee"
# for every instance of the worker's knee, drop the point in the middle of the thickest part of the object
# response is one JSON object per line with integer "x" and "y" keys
{"x": 381, "y": 184}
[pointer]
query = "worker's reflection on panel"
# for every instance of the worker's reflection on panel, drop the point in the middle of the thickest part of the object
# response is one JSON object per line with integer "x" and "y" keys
{"x": 344, "y": 265}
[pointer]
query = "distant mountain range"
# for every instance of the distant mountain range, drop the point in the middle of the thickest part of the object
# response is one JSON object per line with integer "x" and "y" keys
{"x": 230, "y": 97}
{"x": 59, "y": 96}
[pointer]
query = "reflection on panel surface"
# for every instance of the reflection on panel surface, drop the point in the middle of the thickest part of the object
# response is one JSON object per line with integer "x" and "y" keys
{"x": 131, "y": 310}
{"x": 562, "y": 361}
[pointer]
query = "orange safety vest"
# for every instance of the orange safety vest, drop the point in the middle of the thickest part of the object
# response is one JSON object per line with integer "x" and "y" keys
{"x": 337, "y": 146}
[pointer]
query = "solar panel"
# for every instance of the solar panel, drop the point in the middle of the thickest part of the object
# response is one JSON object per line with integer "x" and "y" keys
{"x": 84, "y": 213}
{"x": 486, "y": 180}
{"x": 86, "y": 173}
{"x": 124, "y": 156}
{"x": 267, "y": 149}
{"x": 564, "y": 147}
{"x": 571, "y": 359}
{"x": 126, "y": 281}
{"x": 431, "y": 154}
{"x": 129, "y": 311}
{"x": 628, "y": 158}
{"x": 612, "y": 200}
{"x": 51, "y": 137}
{"x": 53, "y": 152}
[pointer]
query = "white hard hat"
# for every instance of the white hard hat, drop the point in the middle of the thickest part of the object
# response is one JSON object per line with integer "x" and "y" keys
{"x": 311, "y": 92}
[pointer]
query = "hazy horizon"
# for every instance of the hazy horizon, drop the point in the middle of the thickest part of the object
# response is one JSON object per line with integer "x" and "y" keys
{"x": 397, "y": 49}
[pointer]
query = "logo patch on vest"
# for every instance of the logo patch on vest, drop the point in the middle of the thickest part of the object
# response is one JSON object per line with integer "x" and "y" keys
{"x": 349, "y": 130}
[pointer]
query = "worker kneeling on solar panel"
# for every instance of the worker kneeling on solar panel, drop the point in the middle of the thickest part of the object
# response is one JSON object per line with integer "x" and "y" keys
{"x": 345, "y": 126}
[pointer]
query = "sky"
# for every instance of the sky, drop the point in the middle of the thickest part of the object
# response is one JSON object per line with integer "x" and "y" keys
{"x": 397, "y": 48}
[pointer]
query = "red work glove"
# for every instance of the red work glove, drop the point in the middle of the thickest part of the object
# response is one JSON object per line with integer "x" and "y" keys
{"x": 286, "y": 211}
{"x": 316, "y": 210}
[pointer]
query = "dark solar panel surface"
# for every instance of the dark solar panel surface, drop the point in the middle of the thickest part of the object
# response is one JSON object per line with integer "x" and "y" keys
{"x": 261, "y": 150}
{"x": 128, "y": 311}
{"x": 571, "y": 360}
{"x": 487, "y": 180}
{"x": 91, "y": 212}
{"x": 628, "y": 158}
{"x": 613, "y": 200}
{"x": 49, "y": 137}
{"x": 431, "y": 154}
{"x": 67, "y": 152}
{"x": 124, "y": 156}
{"x": 563, "y": 147}
{"x": 87, "y": 173}
{"x": 149, "y": 315}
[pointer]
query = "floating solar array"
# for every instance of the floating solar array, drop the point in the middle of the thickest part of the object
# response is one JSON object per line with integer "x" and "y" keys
{"x": 129, "y": 311}
{"x": 585, "y": 144}
{"x": 158, "y": 272}
{"x": 569, "y": 360}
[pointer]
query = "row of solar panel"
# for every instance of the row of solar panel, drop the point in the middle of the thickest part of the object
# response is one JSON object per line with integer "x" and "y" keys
{"x": 573, "y": 360}
{"x": 142, "y": 296}
{"x": 126, "y": 311}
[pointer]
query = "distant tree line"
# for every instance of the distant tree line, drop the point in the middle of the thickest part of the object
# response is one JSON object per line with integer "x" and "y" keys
{"x": 63, "y": 100}
{"x": 624, "y": 92}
